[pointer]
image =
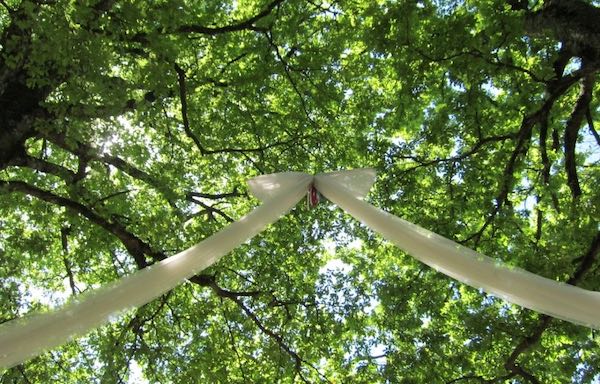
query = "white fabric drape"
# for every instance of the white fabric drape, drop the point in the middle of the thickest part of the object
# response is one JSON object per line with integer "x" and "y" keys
{"x": 24, "y": 338}
{"x": 31, "y": 335}
{"x": 515, "y": 285}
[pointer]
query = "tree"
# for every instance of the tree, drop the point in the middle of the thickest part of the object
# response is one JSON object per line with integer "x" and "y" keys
{"x": 127, "y": 130}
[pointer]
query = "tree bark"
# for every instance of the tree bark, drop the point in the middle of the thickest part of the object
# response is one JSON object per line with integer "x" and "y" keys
{"x": 20, "y": 102}
{"x": 20, "y": 107}
{"x": 573, "y": 22}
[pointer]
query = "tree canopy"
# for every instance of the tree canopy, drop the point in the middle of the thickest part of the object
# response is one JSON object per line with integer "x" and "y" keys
{"x": 128, "y": 129}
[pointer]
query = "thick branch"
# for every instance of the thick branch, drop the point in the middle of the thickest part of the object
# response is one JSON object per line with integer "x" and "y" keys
{"x": 17, "y": 115}
{"x": 85, "y": 151}
{"x": 530, "y": 341}
{"x": 245, "y": 25}
{"x": 134, "y": 245}
{"x": 544, "y": 152}
{"x": 20, "y": 98}
{"x": 572, "y": 131}
{"x": 238, "y": 26}
{"x": 587, "y": 261}
{"x": 44, "y": 166}
{"x": 521, "y": 147}
{"x": 564, "y": 56}
{"x": 184, "y": 109}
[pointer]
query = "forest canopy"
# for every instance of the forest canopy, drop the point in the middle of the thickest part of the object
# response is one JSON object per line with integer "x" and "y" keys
{"x": 128, "y": 130}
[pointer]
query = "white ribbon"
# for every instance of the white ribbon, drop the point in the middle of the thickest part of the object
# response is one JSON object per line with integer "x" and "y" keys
{"x": 27, "y": 337}
{"x": 24, "y": 338}
{"x": 513, "y": 284}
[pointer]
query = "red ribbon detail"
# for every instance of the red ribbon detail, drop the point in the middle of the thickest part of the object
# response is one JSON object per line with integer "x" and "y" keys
{"x": 313, "y": 196}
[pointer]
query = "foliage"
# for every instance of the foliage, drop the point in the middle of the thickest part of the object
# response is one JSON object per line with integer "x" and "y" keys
{"x": 128, "y": 128}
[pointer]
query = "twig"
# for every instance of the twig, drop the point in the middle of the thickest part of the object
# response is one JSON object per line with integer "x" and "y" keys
{"x": 233, "y": 346}
{"x": 279, "y": 340}
{"x": 288, "y": 75}
{"x": 590, "y": 121}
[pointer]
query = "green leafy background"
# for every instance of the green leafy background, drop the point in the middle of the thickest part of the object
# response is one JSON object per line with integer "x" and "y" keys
{"x": 130, "y": 128}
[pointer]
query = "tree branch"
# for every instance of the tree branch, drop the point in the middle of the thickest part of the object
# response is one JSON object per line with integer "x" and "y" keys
{"x": 181, "y": 78}
{"x": 21, "y": 370}
{"x": 473, "y": 150}
{"x": 587, "y": 261}
{"x": 572, "y": 132}
{"x": 261, "y": 149}
{"x": 528, "y": 342}
{"x": 237, "y": 26}
{"x": 110, "y": 196}
{"x": 468, "y": 377}
{"x": 84, "y": 111}
{"x": 288, "y": 75}
{"x": 564, "y": 56}
{"x": 590, "y": 121}
{"x": 521, "y": 147}
{"x": 233, "y": 346}
{"x": 249, "y": 24}
{"x": 184, "y": 108}
{"x": 64, "y": 233}
{"x": 8, "y": 9}
{"x": 25, "y": 160}
{"x": 210, "y": 210}
{"x": 479, "y": 55}
{"x": 546, "y": 167}
{"x": 216, "y": 196}
{"x": 555, "y": 89}
{"x": 572, "y": 22}
{"x": 280, "y": 342}
{"x": 134, "y": 245}
{"x": 211, "y": 282}
{"x": 85, "y": 152}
